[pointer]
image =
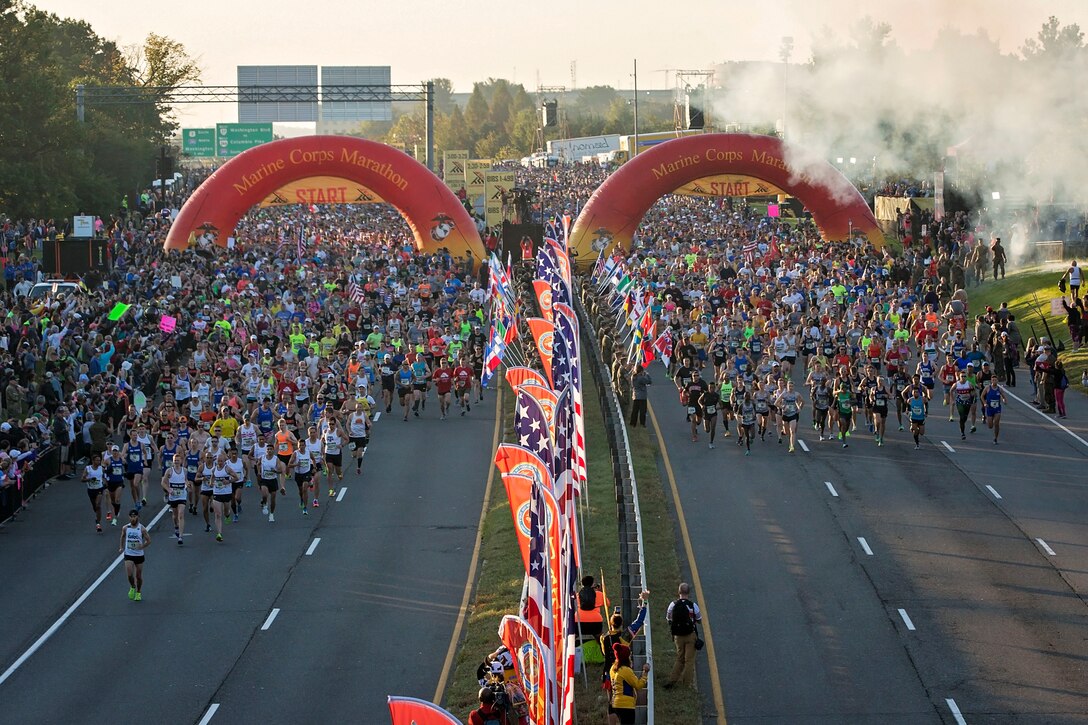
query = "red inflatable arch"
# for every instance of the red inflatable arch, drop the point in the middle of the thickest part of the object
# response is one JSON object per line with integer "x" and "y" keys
{"x": 615, "y": 210}
{"x": 435, "y": 215}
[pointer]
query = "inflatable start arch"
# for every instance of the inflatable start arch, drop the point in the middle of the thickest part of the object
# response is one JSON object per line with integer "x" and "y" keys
{"x": 434, "y": 214}
{"x": 615, "y": 210}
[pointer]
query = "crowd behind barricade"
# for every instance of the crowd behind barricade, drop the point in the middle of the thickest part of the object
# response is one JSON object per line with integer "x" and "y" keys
{"x": 755, "y": 310}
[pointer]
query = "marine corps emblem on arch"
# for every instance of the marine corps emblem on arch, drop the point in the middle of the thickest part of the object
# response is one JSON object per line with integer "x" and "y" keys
{"x": 436, "y": 217}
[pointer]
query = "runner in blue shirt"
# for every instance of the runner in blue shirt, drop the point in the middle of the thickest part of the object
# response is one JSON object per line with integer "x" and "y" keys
{"x": 993, "y": 398}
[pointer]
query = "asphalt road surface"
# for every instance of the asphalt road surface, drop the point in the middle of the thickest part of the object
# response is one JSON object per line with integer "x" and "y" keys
{"x": 369, "y": 612}
{"x": 889, "y": 585}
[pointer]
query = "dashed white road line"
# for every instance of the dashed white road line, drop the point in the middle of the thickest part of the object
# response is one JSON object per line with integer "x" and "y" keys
{"x": 313, "y": 545}
{"x": 1031, "y": 407}
{"x": 343, "y": 492}
{"x": 993, "y": 490}
{"x": 377, "y": 416}
{"x": 955, "y": 711}
{"x": 831, "y": 489}
{"x": 950, "y": 448}
{"x": 865, "y": 545}
{"x": 75, "y": 605}
{"x": 906, "y": 619}
{"x": 209, "y": 714}
{"x": 804, "y": 446}
{"x": 1046, "y": 547}
{"x": 271, "y": 618}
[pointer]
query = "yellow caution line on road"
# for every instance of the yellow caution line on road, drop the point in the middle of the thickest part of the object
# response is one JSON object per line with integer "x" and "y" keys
{"x": 715, "y": 679}
{"x": 447, "y": 666}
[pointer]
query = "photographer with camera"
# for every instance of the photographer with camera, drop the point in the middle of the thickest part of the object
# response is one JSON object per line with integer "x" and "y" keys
{"x": 492, "y": 709}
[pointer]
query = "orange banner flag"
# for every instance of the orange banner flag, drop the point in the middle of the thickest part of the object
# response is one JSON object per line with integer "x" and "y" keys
{"x": 544, "y": 334}
{"x": 519, "y": 375}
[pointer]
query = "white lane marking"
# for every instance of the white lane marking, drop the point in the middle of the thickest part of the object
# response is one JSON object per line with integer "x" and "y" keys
{"x": 955, "y": 711}
{"x": 377, "y": 415}
{"x": 75, "y": 605}
{"x": 1031, "y": 407}
{"x": 1046, "y": 547}
{"x": 802, "y": 444}
{"x": 993, "y": 490}
{"x": 340, "y": 496}
{"x": 271, "y": 618}
{"x": 950, "y": 448}
{"x": 313, "y": 545}
{"x": 209, "y": 714}
{"x": 906, "y": 619}
{"x": 831, "y": 489}
{"x": 865, "y": 545}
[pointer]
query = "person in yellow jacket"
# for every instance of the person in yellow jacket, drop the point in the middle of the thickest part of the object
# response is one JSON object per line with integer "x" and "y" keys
{"x": 625, "y": 686}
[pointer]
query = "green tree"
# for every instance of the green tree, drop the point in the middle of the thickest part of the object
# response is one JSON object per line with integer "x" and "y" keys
{"x": 477, "y": 113}
{"x": 499, "y": 110}
{"x": 1055, "y": 42}
{"x": 443, "y": 95}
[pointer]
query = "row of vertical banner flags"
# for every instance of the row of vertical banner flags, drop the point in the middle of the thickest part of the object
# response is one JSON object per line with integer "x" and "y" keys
{"x": 544, "y": 472}
{"x": 632, "y": 302}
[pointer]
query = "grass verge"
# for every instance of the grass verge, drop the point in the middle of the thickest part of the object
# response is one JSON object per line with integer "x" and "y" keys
{"x": 1029, "y": 293}
{"x": 501, "y": 572}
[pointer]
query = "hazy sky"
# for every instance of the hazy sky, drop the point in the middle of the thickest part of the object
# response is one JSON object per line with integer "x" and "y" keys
{"x": 467, "y": 41}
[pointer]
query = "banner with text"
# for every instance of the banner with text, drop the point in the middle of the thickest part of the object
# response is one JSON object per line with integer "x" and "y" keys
{"x": 453, "y": 169}
{"x": 497, "y": 184}
{"x": 321, "y": 190}
{"x": 476, "y": 182}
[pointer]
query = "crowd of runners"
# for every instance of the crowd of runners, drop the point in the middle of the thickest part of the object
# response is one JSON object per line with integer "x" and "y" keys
{"x": 772, "y": 329}
{"x": 283, "y": 353}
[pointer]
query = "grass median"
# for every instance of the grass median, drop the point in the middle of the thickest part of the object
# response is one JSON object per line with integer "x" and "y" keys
{"x": 501, "y": 572}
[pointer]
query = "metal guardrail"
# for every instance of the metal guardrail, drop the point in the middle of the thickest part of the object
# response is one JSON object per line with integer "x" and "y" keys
{"x": 626, "y": 490}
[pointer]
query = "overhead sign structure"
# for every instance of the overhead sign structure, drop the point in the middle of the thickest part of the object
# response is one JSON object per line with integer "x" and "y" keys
{"x": 198, "y": 142}
{"x": 232, "y": 139}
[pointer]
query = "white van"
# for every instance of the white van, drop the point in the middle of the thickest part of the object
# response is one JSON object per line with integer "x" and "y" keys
{"x": 53, "y": 287}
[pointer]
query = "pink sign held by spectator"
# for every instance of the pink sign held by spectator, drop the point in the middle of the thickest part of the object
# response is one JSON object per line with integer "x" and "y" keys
{"x": 168, "y": 323}
{"x": 772, "y": 210}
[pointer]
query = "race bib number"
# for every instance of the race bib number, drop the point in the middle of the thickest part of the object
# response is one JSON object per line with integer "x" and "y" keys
{"x": 691, "y": 410}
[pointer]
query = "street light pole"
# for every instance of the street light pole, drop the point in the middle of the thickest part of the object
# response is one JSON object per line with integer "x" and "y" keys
{"x": 636, "y": 110}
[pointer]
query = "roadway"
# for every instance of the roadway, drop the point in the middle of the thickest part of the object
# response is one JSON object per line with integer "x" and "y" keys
{"x": 365, "y": 612}
{"x": 889, "y": 585}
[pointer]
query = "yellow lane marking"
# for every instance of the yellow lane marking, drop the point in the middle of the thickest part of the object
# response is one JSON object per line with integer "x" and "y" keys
{"x": 447, "y": 666}
{"x": 715, "y": 679}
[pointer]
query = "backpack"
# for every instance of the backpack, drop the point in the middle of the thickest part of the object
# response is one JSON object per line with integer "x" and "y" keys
{"x": 682, "y": 621}
{"x": 587, "y": 599}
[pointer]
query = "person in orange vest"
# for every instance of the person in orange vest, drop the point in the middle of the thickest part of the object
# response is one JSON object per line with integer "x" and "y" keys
{"x": 590, "y": 607}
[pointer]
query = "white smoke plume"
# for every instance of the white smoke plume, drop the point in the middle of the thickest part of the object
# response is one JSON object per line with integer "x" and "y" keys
{"x": 1019, "y": 119}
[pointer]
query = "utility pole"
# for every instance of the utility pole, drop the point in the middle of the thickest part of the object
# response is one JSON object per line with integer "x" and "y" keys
{"x": 80, "y": 102}
{"x": 636, "y": 111}
{"x": 430, "y": 124}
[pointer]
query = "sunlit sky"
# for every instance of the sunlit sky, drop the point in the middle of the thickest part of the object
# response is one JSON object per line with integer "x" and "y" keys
{"x": 523, "y": 41}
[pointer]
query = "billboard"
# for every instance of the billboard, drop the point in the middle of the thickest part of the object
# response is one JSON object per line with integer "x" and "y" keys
{"x": 302, "y": 101}
{"x": 497, "y": 185}
{"x": 573, "y": 149}
{"x": 232, "y": 139}
{"x": 453, "y": 169}
{"x": 335, "y": 105}
{"x": 198, "y": 142}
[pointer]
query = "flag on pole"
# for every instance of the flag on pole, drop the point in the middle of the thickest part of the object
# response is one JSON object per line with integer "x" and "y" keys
{"x": 535, "y": 665}
{"x": 301, "y": 243}
{"x": 412, "y": 711}
{"x": 519, "y": 375}
{"x": 538, "y": 604}
{"x": 663, "y": 345}
{"x": 544, "y": 297}
{"x": 355, "y": 292}
{"x": 532, "y": 428}
{"x": 543, "y": 334}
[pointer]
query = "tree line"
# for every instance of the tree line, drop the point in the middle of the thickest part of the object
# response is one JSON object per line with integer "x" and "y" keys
{"x": 50, "y": 164}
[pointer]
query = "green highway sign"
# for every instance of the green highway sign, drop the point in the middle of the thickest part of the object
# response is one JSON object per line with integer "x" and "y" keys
{"x": 198, "y": 141}
{"x": 232, "y": 139}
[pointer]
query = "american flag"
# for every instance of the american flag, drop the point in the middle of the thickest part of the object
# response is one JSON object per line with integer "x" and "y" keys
{"x": 355, "y": 292}
{"x": 301, "y": 243}
{"x": 538, "y": 601}
{"x": 749, "y": 251}
{"x": 566, "y": 327}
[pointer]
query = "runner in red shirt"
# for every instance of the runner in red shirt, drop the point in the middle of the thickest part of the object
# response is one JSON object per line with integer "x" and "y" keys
{"x": 462, "y": 381}
{"x": 443, "y": 378}
{"x": 947, "y": 376}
